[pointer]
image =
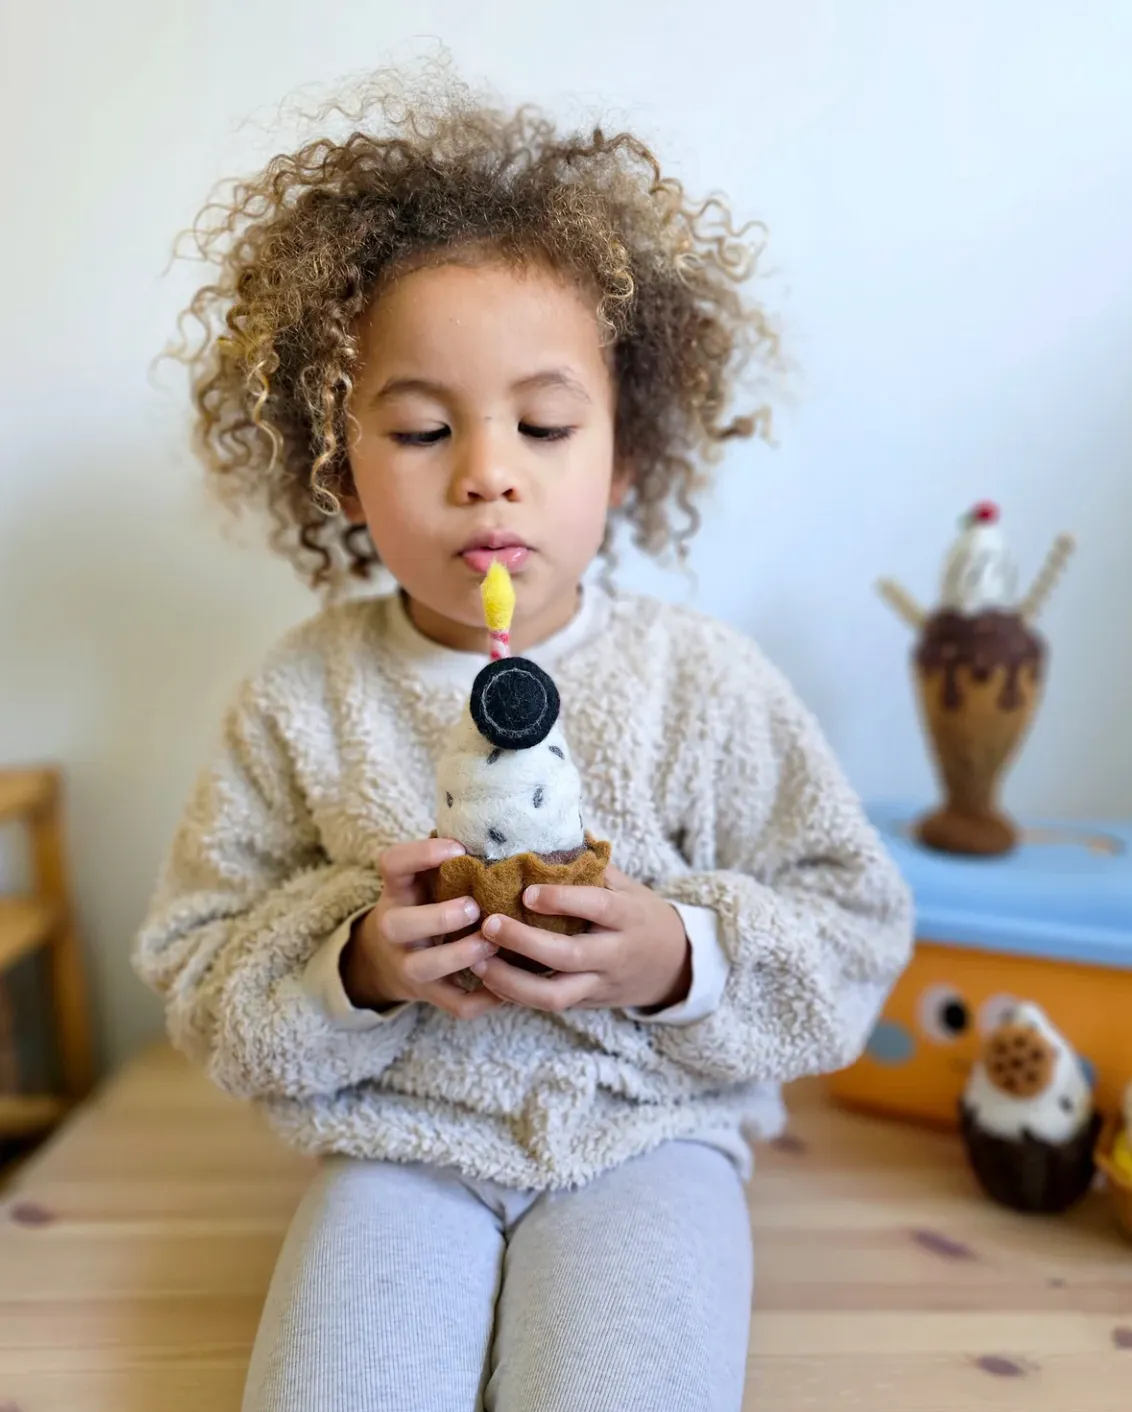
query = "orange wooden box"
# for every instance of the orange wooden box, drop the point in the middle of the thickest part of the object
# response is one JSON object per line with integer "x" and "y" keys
{"x": 1051, "y": 923}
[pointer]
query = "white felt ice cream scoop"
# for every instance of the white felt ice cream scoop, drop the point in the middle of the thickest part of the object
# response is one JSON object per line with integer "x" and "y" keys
{"x": 505, "y": 782}
{"x": 498, "y": 801}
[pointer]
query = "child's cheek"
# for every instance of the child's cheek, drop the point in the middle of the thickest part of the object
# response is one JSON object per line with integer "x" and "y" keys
{"x": 579, "y": 508}
{"x": 401, "y": 526}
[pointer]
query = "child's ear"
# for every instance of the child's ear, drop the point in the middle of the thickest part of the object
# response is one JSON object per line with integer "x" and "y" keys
{"x": 623, "y": 476}
{"x": 352, "y": 507}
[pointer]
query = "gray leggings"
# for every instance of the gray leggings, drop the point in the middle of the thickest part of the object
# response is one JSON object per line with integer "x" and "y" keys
{"x": 412, "y": 1289}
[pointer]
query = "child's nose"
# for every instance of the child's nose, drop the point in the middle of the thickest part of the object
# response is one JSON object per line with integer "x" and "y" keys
{"x": 482, "y": 472}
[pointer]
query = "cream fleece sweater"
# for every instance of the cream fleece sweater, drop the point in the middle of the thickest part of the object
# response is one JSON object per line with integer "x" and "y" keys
{"x": 715, "y": 787}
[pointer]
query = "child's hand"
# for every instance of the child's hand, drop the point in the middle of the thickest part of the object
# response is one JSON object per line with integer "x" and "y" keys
{"x": 637, "y": 955}
{"x": 395, "y": 954}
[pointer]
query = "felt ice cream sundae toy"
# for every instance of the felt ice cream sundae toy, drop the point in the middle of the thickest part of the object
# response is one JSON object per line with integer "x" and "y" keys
{"x": 1028, "y": 1118}
{"x": 979, "y": 668}
{"x": 508, "y": 789}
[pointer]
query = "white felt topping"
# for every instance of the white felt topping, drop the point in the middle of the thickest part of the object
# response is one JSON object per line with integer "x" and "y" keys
{"x": 505, "y": 802}
{"x": 1056, "y": 1114}
{"x": 979, "y": 572}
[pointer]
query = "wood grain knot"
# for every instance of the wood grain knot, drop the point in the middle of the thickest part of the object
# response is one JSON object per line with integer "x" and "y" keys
{"x": 938, "y": 1244}
{"x": 30, "y": 1213}
{"x": 1122, "y": 1337}
{"x": 999, "y": 1367}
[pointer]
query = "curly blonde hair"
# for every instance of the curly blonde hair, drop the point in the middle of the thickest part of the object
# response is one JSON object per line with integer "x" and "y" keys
{"x": 303, "y": 246}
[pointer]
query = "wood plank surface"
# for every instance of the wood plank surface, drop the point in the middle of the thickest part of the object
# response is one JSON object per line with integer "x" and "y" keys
{"x": 136, "y": 1248}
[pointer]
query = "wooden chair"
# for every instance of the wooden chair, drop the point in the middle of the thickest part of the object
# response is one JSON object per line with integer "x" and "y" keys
{"x": 42, "y": 920}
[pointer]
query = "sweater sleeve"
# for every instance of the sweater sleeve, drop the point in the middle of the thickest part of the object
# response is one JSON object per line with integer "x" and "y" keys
{"x": 814, "y": 917}
{"x": 246, "y": 899}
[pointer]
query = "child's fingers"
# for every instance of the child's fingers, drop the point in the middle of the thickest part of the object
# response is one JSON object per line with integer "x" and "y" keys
{"x": 622, "y": 882}
{"x": 553, "y": 993}
{"x": 434, "y": 963}
{"x": 550, "y": 949}
{"x": 404, "y": 926}
{"x": 463, "y": 1004}
{"x": 400, "y": 866}
{"x": 592, "y": 904}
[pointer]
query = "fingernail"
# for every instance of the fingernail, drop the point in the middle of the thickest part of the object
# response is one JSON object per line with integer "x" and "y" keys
{"x": 486, "y": 949}
{"x": 479, "y": 967}
{"x": 471, "y": 910}
{"x": 453, "y": 849}
{"x": 530, "y": 897}
{"x": 491, "y": 926}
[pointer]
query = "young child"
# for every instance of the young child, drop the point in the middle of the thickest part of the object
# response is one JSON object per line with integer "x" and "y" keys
{"x": 459, "y": 336}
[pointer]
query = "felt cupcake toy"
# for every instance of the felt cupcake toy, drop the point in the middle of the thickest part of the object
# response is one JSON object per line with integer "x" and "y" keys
{"x": 508, "y": 789}
{"x": 1028, "y": 1118}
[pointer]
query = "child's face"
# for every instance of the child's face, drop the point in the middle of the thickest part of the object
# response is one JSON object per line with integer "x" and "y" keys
{"x": 485, "y": 410}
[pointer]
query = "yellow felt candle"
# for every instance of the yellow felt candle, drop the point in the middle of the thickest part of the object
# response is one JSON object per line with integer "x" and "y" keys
{"x": 497, "y": 593}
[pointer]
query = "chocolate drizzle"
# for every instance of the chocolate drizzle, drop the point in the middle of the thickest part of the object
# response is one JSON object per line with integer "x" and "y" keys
{"x": 983, "y": 643}
{"x": 563, "y": 855}
{"x": 558, "y": 857}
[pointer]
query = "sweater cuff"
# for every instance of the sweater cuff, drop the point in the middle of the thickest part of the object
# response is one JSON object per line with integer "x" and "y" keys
{"x": 710, "y": 968}
{"x": 322, "y": 981}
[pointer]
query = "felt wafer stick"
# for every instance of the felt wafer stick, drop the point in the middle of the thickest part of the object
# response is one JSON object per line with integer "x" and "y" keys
{"x": 498, "y": 595}
{"x": 1033, "y": 603}
{"x": 903, "y": 602}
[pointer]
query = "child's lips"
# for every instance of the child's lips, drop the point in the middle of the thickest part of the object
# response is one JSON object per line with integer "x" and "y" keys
{"x": 513, "y": 557}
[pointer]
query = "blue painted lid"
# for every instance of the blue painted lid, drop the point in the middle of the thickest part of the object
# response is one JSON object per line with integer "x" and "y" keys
{"x": 1065, "y": 893}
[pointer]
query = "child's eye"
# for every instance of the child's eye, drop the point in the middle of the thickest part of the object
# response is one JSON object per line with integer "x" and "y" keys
{"x": 545, "y": 433}
{"x": 419, "y": 438}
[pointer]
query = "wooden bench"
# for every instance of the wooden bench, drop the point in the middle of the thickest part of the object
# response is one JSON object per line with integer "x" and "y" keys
{"x": 41, "y": 920}
{"x": 135, "y": 1250}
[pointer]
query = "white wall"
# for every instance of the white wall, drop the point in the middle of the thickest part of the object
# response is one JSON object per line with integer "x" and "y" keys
{"x": 949, "y": 193}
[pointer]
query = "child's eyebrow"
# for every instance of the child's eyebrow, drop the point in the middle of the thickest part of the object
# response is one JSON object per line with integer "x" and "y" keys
{"x": 398, "y": 386}
{"x": 549, "y": 377}
{"x": 552, "y": 377}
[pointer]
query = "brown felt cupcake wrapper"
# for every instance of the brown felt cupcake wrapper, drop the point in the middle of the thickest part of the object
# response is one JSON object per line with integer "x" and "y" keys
{"x": 498, "y": 888}
{"x": 1028, "y": 1174}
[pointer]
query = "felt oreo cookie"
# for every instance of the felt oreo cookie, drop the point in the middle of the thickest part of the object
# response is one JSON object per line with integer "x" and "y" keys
{"x": 514, "y": 703}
